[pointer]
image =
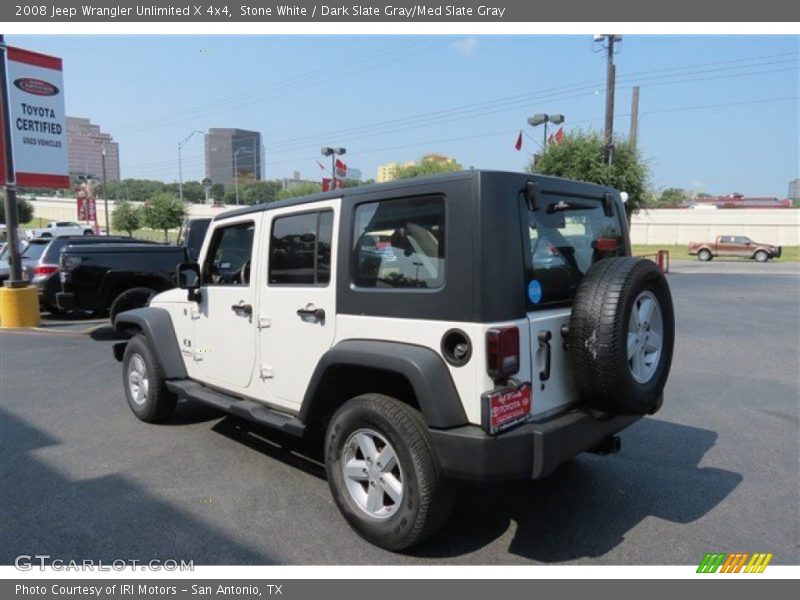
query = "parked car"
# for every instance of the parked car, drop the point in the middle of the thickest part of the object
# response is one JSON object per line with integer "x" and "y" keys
{"x": 734, "y": 245}
{"x": 29, "y": 255}
{"x": 453, "y": 351}
{"x": 44, "y": 272}
{"x": 106, "y": 279}
{"x": 59, "y": 228}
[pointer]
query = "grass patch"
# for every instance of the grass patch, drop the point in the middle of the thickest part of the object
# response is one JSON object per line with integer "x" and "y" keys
{"x": 788, "y": 253}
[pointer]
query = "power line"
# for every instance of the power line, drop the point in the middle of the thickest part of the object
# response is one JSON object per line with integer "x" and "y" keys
{"x": 491, "y": 107}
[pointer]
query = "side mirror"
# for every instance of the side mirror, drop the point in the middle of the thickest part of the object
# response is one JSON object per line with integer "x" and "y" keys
{"x": 189, "y": 279}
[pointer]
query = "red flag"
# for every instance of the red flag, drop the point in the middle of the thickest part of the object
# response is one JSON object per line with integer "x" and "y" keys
{"x": 341, "y": 168}
{"x": 321, "y": 166}
{"x": 518, "y": 145}
{"x": 559, "y": 137}
{"x": 550, "y": 139}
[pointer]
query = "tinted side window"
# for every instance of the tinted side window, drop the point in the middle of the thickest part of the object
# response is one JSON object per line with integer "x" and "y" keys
{"x": 300, "y": 249}
{"x": 228, "y": 259}
{"x": 400, "y": 243}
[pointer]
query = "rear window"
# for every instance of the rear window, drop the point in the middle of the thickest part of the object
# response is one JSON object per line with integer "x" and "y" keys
{"x": 34, "y": 251}
{"x": 566, "y": 236}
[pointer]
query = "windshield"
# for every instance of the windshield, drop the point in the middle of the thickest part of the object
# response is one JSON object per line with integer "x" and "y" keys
{"x": 566, "y": 237}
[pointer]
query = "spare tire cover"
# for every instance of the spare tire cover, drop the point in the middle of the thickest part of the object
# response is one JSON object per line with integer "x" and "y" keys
{"x": 621, "y": 336}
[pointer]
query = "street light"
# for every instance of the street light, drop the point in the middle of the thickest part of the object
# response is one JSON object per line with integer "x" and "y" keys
{"x": 236, "y": 170}
{"x": 544, "y": 119}
{"x": 105, "y": 190}
{"x": 333, "y": 153}
{"x": 180, "y": 169}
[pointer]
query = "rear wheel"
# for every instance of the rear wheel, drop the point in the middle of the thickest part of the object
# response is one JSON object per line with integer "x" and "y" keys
{"x": 145, "y": 386}
{"x": 383, "y": 472}
{"x": 761, "y": 256}
{"x": 621, "y": 336}
{"x": 704, "y": 255}
{"x": 88, "y": 232}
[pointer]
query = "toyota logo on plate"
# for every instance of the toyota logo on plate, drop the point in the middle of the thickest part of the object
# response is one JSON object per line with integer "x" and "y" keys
{"x": 36, "y": 86}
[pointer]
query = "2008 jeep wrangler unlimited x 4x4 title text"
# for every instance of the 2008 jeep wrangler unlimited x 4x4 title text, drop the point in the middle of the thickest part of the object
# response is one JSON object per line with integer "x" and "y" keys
{"x": 478, "y": 325}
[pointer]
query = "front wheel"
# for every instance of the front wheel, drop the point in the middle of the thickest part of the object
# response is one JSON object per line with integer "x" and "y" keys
{"x": 761, "y": 256}
{"x": 88, "y": 232}
{"x": 145, "y": 386}
{"x": 704, "y": 255}
{"x": 383, "y": 472}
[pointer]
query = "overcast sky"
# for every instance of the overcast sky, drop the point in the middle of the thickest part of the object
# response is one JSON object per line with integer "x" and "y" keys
{"x": 719, "y": 114}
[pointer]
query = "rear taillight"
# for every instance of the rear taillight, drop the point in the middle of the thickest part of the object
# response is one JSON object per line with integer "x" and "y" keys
{"x": 606, "y": 244}
{"x": 502, "y": 352}
{"x": 44, "y": 270}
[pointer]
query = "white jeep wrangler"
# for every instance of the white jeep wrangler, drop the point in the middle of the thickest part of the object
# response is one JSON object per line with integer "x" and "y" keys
{"x": 478, "y": 325}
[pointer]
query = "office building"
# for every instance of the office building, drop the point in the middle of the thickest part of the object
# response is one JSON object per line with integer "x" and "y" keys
{"x": 232, "y": 151}
{"x": 387, "y": 171}
{"x": 85, "y": 144}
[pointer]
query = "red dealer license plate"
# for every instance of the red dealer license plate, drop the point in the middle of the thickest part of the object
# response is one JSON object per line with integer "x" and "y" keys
{"x": 505, "y": 407}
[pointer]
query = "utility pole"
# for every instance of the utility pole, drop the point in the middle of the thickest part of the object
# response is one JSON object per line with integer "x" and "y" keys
{"x": 634, "y": 116}
{"x": 12, "y": 215}
{"x": 611, "y": 77}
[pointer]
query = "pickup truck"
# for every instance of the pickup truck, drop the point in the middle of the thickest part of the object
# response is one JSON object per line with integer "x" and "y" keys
{"x": 734, "y": 245}
{"x": 106, "y": 279}
{"x": 59, "y": 228}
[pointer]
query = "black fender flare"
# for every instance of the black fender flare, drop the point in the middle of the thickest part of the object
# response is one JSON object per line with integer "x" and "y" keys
{"x": 424, "y": 369}
{"x": 156, "y": 325}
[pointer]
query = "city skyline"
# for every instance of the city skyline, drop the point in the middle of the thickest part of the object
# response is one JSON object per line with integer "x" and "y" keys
{"x": 393, "y": 99}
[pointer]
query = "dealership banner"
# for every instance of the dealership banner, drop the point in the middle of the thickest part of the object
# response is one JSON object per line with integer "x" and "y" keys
{"x": 412, "y": 11}
{"x": 38, "y": 122}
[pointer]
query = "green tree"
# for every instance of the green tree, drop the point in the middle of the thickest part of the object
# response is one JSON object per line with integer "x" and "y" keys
{"x": 126, "y": 217}
{"x": 426, "y": 167}
{"x": 260, "y": 191}
{"x": 580, "y": 156}
{"x": 300, "y": 189}
{"x": 217, "y": 192}
{"x": 672, "y": 196}
{"x": 164, "y": 211}
{"x": 24, "y": 210}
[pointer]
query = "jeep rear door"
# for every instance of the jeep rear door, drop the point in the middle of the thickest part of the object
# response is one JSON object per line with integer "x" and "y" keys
{"x": 563, "y": 237}
{"x": 297, "y": 308}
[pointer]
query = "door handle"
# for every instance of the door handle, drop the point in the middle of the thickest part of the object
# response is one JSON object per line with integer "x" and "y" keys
{"x": 544, "y": 342}
{"x": 311, "y": 313}
{"x": 243, "y": 309}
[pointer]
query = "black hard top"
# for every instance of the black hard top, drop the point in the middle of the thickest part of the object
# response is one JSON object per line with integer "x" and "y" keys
{"x": 583, "y": 188}
{"x": 138, "y": 247}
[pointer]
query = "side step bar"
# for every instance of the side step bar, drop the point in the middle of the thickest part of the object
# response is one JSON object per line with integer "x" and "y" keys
{"x": 246, "y": 409}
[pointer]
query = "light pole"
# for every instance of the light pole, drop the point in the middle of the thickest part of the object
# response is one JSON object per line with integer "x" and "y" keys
{"x": 105, "y": 191}
{"x": 236, "y": 170}
{"x": 544, "y": 119}
{"x": 333, "y": 153}
{"x": 181, "y": 144}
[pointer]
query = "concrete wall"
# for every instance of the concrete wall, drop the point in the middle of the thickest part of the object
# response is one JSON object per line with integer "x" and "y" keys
{"x": 680, "y": 226}
{"x": 657, "y": 226}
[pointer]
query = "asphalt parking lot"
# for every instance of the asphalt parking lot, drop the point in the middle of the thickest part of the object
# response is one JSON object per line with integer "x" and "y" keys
{"x": 716, "y": 469}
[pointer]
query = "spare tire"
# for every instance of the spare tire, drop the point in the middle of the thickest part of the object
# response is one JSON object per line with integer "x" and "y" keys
{"x": 129, "y": 299}
{"x": 621, "y": 336}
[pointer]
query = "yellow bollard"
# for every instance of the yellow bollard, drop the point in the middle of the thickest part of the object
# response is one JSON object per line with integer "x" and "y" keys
{"x": 19, "y": 307}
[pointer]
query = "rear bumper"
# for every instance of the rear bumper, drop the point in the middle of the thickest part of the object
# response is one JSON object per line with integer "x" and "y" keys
{"x": 65, "y": 301}
{"x": 530, "y": 451}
